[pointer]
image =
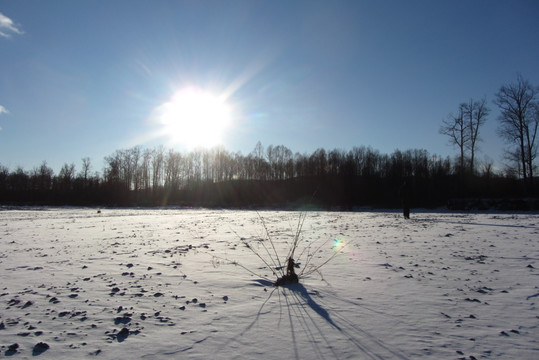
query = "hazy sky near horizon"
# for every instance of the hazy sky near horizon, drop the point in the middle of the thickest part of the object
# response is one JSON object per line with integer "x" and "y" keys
{"x": 85, "y": 78}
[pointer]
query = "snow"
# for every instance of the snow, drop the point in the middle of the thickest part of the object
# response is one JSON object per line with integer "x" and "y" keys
{"x": 139, "y": 283}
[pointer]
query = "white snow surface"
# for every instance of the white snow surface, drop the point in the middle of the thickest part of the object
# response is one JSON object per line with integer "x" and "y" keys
{"x": 181, "y": 283}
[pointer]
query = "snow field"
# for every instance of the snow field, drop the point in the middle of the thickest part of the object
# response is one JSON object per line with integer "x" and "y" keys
{"x": 142, "y": 283}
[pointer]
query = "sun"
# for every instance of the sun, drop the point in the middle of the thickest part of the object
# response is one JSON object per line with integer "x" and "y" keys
{"x": 195, "y": 118}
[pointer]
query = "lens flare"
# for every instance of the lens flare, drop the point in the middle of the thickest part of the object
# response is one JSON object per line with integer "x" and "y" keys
{"x": 351, "y": 251}
{"x": 338, "y": 244}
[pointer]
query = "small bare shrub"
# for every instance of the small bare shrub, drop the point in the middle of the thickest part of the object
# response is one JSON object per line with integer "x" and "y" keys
{"x": 299, "y": 256}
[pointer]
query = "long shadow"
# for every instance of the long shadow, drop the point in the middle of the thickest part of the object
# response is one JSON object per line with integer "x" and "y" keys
{"x": 309, "y": 324}
{"x": 302, "y": 291}
{"x": 301, "y": 318}
{"x": 366, "y": 343}
{"x": 297, "y": 290}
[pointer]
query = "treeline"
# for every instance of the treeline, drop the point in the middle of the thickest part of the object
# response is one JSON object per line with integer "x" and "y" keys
{"x": 271, "y": 176}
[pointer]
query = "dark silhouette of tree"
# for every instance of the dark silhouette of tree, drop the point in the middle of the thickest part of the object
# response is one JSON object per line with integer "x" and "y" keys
{"x": 135, "y": 173}
{"x": 145, "y": 168}
{"x": 18, "y": 185}
{"x": 4, "y": 176}
{"x": 67, "y": 173}
{"x": 318, "y": 163}
{"x": 65, "y": 181}
{"x": 173, "y": 169}
{"x": 463, "y": 130}
{"x": 334, "y": 179}
{"x": 475, "y": 113}
{"x": 86, "y": 167}
{"x": 112, "y": 169}
{"x": 456, "y": 128}
{"x": 260, "y": 167}
{"x": 41, "y": 182}
{"x": 519, "y": 120}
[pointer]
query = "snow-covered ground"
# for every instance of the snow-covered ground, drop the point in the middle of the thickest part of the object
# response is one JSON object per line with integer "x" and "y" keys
{"x": 163, "y": 283}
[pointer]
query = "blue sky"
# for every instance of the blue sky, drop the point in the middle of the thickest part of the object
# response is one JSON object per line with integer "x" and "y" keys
{"x": 84, "y": 78}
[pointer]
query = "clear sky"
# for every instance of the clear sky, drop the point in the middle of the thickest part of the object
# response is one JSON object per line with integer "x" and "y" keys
{"x": 85, "y": 78}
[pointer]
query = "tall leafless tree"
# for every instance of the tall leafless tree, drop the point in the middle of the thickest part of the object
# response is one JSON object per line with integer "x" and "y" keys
{"x": 86, "y": 165}
{"x": 260, "y": 163}
{"x": 42, "y": 177}
{"x": 463, "y": 130}
{"x": 158, "y": 158}
{"x": 519, "y": 121}
{"x": 67, "y": 172}
{"x": 145, "y": 168}
{"x": 475, "y": 113}
{"x": 456, "y": 128}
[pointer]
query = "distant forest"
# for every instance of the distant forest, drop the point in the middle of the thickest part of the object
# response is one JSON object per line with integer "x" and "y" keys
{"x": 266, "y": 177}
{"x": 276, "y": 177}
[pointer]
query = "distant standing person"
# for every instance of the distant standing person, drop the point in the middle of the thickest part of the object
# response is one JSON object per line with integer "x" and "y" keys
{"x": 405, "y": 200}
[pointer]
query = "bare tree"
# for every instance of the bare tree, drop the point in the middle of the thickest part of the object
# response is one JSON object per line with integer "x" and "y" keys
{"x": 456, "y": 128}
{"x": 136, "y": 174}
{"x": 487, "y": 167}
{"x": 475, "y": 113}
{"x": 158, "y": 157}
{"x": 66, "y": 176}
{"x": 173, "y": 165}
{"x": 260, "y": 164}
{"x": 42, "y": 177}
{"x": 19, "y": 180}
{"x": 67, "y": 172}
{"x": 111, "y": 171}
{"x": 4, "y": 173}
{"x": 86, "y": 165}
{"x": 519, "y": 121}
{"x": 318, "y": 162}
{"x": 145, "y": 168}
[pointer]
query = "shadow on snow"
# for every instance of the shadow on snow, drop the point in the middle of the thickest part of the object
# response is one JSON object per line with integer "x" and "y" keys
{"x": 304, "y": 314}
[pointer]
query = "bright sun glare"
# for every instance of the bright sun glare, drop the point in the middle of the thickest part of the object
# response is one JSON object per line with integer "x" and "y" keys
{"x": 194, "y": 117}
